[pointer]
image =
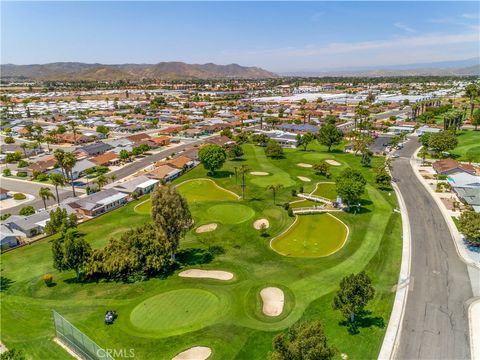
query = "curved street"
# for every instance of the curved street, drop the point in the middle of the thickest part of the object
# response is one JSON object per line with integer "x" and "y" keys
{"x": 435, "y": 324}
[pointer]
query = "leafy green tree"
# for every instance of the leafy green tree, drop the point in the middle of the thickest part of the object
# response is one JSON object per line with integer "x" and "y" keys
{"x": 322, "y": 169}
{"x": 329, "y": 135}
{"x": 124, "y": 155}
{"x": 350, "y": 185}
{"x": 7, "y": 172}
{"x": 227, "y": 132}
{"x": 274, "y": 150}
{"x": 212, "y": 157}
{"x": 260, "y": 139}
{"x": 101, "y": 181}
{"x": 442, "y": 141}
{"x": 27, "y": 210}
{"x": 70, "y": 252}
{"x": 425, "y": 138}
{"x": 57, "y": 180}
{"x": 234, "y": 151}
{"x": 12, "y": 157}
{"x": 140, "y": 252}
{"x": 305, "y": 139}
{"x": 171, "y": 214}
{"x": 102, "y": 129}
{"x": 382, "y": 176}
{"x": 354, "y": 294}
{"x": 60, "y": 220}
{"x": 366, "y": 158}
{"x": 303, "y": 341}
{"x": 423, "y": 153}
{"x": 12, "y": 354}
{"x": 470, "y": 226}
{"x": 476, "y": 118}
{"x": 45, "y": 193}
{"x": 9, "y": 140}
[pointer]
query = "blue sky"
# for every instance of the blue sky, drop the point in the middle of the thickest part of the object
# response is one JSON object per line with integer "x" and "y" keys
{"x": 278, "y": 36}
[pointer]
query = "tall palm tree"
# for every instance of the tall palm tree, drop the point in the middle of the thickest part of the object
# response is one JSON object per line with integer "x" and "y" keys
{"x": 243, "y": 170}
{"x": 101, "y": 181}
{"x": 59, "y": 155}
{"x": 73, "y": 127}
{"x": 472, "y": 91}
{"x": 45, "y": 193}
{"x": 57, "y": 180}
{"x": 69, "y": 161}
{"x": 24, "y": 147}
{"x": 274, "y": 189}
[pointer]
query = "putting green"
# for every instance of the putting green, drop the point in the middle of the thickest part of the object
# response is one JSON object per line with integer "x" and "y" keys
{"x": 327, "y": 190}
{"x": 204, "y": 190}
{"x": 312, "y": 236}
{"x": 230, "y": 213}
{"x": 176, "y": 312}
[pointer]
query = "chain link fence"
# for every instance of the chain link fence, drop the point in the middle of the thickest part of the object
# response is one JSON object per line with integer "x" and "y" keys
{"x": 84, "y": 347}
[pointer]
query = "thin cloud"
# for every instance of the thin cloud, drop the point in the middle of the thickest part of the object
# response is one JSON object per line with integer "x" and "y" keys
{"x": 404, "y": 27}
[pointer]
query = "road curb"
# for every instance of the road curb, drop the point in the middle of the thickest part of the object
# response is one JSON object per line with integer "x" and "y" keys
{"x": 451, "y": 225}
{"x": 474, "y": 312}
{"x": 392, "y": 335}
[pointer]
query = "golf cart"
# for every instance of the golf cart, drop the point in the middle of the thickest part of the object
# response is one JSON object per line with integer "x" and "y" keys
{"x": 110, "y": 317}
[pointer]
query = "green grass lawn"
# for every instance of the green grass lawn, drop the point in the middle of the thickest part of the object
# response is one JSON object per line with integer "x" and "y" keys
{"x": 468, "y": 148}
{"x": 312, "y": 236}
{"x": 326, "y": 190}
{"x": 160, "y": 317}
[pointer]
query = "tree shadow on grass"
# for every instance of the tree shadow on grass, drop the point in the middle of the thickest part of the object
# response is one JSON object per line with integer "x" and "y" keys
{"x": 221, "y": 174}
{"x": 193, "y": 256}
{"x": 238, "y": 159}
{"x": 363, "y": 320}
{"x": 5, "y": 283}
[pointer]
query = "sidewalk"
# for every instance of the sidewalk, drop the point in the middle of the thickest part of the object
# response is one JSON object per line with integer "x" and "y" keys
{"x": 474, "y": 315}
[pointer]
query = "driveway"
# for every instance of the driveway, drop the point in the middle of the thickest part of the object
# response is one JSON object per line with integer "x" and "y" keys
{"x": 435, "y": 324}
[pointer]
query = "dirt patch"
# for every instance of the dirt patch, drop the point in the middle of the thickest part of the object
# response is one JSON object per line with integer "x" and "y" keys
{"x": 304, "y": 178}
{"x": 258, "y": 224}
{"x": 194, "y": 353}
{"x": 206, "y": 228}
{"x": 273, "y": 301}
{"x": 333, "y": 162}
{"x": 259, "y": 173}
{"x": 207, "y": 274}
{"x": 305, "y": 165}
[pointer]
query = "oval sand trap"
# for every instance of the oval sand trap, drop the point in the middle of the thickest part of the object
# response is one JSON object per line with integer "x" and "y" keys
{"x": 206, "y": 228}
{"x": 333, "y": 162}
{"x": 258, "y": 224}
{"x": 207, "y": 274}
{"x": 259, "y": 173}
{"x": 304, "y": 178}
{"x": 194, "y": 353}
{"x": 273, "y": 301}
{"x": 305, "y": 165}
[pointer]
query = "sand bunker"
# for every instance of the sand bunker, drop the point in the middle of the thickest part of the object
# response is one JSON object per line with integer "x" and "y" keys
{"x": 259, "y": 224}
{"x": 194, "y": 353}
{"x": 206, "y": 228}
{"x": 305, "y": 165}
{"x": 303, "y": 178}
{"x": 273, "y": 301}
{"x": 259, "y": 173}
{"x": 333, "y": 162}
{"x": 207, "y": 274}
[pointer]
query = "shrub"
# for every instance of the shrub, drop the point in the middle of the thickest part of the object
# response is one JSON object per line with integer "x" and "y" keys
{"x": 42, "y": 177}
{"x": 22, "y": 164}
{"x": 21, "y": 174}
{"x": 300, "y": 190}
{"x": 442, "y": 177}
{"x": 286, "y": 206}
{"x": 290, "y": 212}
{"x": 7, "y": 172}
{"x": 48, "y": 279}
{"x": 294, "y": 192}
{"x": 26, "y": 211}
{"x": 19, "y": 196}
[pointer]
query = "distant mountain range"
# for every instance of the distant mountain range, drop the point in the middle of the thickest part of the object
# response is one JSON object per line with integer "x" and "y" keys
{"x": 70, "y": 71}
{"x": 466, "y": 67}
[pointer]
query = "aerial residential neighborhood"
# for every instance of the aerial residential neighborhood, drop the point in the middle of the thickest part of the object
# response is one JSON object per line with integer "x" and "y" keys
{"x": 319, "y": 201}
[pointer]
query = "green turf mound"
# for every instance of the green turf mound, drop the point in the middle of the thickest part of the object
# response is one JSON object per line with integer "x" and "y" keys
{"x": 230, "y": 213}
{"x": 312, "y": 236}
{"x": 176, "y": 312}
{"x": 327, "y": 190}
{"x": 204, "y": 190}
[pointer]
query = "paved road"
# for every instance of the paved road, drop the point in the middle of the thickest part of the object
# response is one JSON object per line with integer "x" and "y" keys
{"x": 149, "y": 160}
{"x": 435, "y": 324}
{"x": 32, "y": 189}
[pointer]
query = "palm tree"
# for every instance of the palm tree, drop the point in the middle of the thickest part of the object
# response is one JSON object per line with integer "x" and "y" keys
{"x": 69, "y": 161}
{"x": 45, "y": 193}
{"x": 59, "y": 155}
{"x": 73, "y": 127}
{"x": 57, "y": 180}
{"x": 101, "y": 181}
{"x": 472, "y": 91}
{"x": 274, "y": 189}
{"x": 243, "y": 170}
{"x": 24, "y": 146}
{"x": 113, "y": 178}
